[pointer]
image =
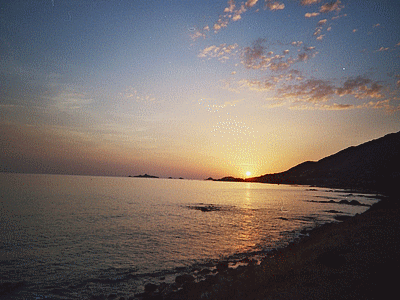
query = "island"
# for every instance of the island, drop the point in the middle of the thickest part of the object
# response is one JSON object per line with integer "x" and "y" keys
{"x": 144, "y": 176}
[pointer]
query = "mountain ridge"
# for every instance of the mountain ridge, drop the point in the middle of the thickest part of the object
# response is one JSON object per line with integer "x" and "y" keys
{"x": 373, "y": 165}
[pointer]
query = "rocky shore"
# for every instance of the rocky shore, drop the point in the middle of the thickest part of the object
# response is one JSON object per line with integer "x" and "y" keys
{"x": 355, "y": 259}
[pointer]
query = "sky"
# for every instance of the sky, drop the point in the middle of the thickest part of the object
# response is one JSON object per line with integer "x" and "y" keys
{"x": 193, "y": 88}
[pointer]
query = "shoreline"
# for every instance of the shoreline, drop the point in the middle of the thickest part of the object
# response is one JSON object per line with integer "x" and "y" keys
{"x": 352, "y": 259}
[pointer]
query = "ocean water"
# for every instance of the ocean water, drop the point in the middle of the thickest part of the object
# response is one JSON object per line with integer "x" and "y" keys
{"x": 71, "y": 237}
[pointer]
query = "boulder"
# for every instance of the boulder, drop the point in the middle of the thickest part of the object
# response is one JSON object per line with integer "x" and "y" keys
{"x": 185, "y": 278}
{"x": 150, "y": 288}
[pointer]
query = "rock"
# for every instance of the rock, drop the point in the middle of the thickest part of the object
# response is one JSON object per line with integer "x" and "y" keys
{"x": 98, "y": 297}
{"x": 185, "y": 278}
{"x": 150, "y": 288}
{"x": 341, "y": 217}
{"x": 331, "y": 260}
{"x": 355, "y": 202}
{"x": 204, "y": 272}
{"x": 211, "y": 279}
{"x": 222, "y": 266}
{"x": 8, "y": 287}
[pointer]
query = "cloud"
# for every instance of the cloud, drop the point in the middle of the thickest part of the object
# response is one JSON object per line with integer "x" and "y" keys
{"x": 303, "y": 56}
{"x": 398, "y": 44}
{"x": 231, "y": 7}
{"x": 308, "y": 2}
{"x": 318, "y": 91}
{"x": 132, "y": 94}
{"x": 70, "y": 101}
{"x": 355, "y": 30}
{"x": 318, "y": 29}
{"x": 222, "y": 52}
{"x": 297, "y": 43}
{"x": 256, "y": 57}
{"x": 197, "y": 35}
{"x": 258, "y": 85}
{"x": 332, "y": 6}
{"x": 358, "y": 87}
{"x": 382, "y": 49}
{"x": 234, "y": 13}
{"x": 230, "y": 13}
{"x": 320, "y": 106}
{"x": 312, "y": 90}
{"x": 339, "y": 16}
{"x": 220, "y": 24}
{"x": 383, "y": 104}
{"x": 251, "y": 3}
{"x": 274, "y": 5}
{"x": 310, "y": 15}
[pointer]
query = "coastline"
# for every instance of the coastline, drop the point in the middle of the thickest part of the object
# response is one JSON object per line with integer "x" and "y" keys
{"x": 352, "y": 259}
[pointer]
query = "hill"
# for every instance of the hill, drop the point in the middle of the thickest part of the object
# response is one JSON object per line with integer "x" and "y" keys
{"x": 374, "y": 165}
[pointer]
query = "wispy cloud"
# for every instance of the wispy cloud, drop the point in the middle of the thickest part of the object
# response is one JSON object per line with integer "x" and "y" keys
{"x": 309, "y": 2}
{"x": 312, "y": 90}
{"x": 132, "y": 94}
{"x": 274, "y": 5}
{"x": 316, "y": 90}
{"x": 251, "y": 3}
{"x": 233, "y": 12}
{"x": 257, "y": 57}
{"x": 70, "y": 101}
{"x": 197, "y": 34}
{"x": 361, "y": 87}
{"x": 332, "y": 6}
{"x": 320, "y": 106}
{"x": 311, "y": 15}
{"x": 383, "y": 104}
{"x": 221, "y": 52}
{"x": 382, "y": 49}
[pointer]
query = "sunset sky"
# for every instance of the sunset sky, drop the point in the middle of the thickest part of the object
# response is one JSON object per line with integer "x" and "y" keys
{"x": 193, "y": 88}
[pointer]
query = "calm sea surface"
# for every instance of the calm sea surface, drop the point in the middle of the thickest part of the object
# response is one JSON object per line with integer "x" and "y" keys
{"x": 71, "y": 237}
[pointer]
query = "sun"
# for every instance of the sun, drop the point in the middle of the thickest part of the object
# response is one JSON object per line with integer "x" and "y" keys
{"x": 248, "y": 173}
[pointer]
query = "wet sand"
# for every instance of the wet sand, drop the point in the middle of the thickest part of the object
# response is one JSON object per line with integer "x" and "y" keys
{"x": 355, "y": 259}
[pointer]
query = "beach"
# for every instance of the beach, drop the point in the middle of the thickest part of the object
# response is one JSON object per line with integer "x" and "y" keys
{"x": 354, "y": 259}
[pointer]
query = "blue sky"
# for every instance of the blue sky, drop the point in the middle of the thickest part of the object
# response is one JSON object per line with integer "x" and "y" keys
{"x": 193, "y": 88}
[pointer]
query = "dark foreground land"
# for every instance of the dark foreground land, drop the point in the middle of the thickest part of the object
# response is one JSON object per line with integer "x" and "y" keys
{"x": 355, "y": 259}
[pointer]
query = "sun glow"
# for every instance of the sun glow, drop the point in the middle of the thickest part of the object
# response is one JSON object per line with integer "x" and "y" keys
{"x": 248, "y": 173}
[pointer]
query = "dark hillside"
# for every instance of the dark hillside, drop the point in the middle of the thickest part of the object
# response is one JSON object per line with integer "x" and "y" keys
{"x": 374, "y": 165}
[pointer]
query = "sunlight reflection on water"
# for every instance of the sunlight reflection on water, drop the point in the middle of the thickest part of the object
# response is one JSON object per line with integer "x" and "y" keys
{"x": 104, "y": 231}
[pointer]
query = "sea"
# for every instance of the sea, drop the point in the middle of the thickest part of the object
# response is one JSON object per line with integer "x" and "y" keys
{"x": 76, "y": 237}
